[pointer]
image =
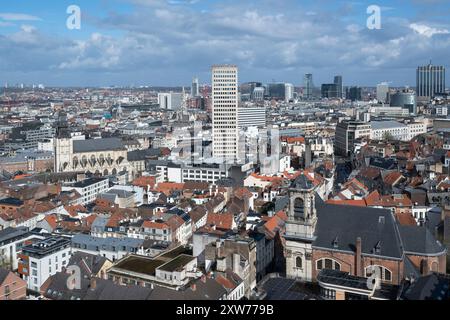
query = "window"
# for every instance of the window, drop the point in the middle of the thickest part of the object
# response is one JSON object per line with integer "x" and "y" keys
{"x": 298, "y": 262}
{"x": 328, "y": 264}
{"x": 386, "y": 274}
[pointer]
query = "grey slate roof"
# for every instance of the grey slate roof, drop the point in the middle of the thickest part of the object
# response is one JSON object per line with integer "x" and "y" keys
{"x": 347, "y": 223}
{"x": 9, "y": 234}
{"x": 89, "y": 263}
{"x": 430, "y": 287}
{"x": 110, "y": 244}
{"x": 420, "y": 240}
{"x": 99, "y": 223}
{"x": 95, "y": 145}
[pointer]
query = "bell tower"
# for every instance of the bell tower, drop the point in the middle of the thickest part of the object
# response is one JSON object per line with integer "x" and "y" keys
{"x": 300, "y": 229}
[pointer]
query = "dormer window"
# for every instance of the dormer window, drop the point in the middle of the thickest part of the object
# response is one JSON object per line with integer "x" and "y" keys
{"x": 377, "y": 248}
{"x": 336, "y": 242}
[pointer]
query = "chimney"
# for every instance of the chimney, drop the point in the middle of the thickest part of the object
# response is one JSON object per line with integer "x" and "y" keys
{"x": 193, "y": 287}
{"x": 93, "y": 284}
{"x": 203, "y": 278}
{"x": 358, "y": 257}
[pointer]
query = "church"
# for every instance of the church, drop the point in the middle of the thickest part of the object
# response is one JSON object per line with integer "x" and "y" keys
{"x": 352, "y": 239}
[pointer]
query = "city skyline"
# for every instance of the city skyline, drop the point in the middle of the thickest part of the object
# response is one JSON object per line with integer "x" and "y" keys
{"x": 166, "y": 43}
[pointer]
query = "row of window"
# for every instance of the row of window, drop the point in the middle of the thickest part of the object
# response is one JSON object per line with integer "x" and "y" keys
{"x": 331, "y": 264}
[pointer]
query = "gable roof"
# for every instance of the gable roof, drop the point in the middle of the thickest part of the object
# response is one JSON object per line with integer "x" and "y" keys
{"x": 346, "y": 223}
{"x": 419, "y": 240}
{"x": 96, "y": 145}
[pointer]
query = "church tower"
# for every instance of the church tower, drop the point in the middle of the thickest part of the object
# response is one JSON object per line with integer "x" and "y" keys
{"x": 300, "y": 229}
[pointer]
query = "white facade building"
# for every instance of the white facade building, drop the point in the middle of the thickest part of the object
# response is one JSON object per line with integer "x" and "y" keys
{"x": 43, "y": 259}
{"x": 89, "y": 189}
{"x": 225, "y": 102}
{"x": 252, "y": 117}
{"x": 396, "y": 130}
{"x": 170, "y": 101}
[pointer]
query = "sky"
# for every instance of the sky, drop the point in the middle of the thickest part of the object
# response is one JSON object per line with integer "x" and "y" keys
{"x": 168, "y": 42}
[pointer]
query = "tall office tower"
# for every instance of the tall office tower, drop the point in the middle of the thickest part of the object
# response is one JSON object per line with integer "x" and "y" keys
{"x": 308, "y": 86}
{"x": 289, "y": 92}
{"x": 225, "y": 111}
{"x": 329, "y": 90}
{"x": 430, "y": 80}
{"x": 339, "y": 87}
{"x": 195, "y": 90}
{"x": 382, "y": 92}
{"x": 354, "y": 93}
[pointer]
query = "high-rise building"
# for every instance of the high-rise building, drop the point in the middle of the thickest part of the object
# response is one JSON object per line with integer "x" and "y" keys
{"x": 308, "y": 86}
{"x": 225, "y": 111}
{"x": 354, "y": 94}
{"x": 289, "y": 92}
{"x": 430, "y": 80}
{"x": 195, "y": 90}
{"x": 277, "y": 91}
{"x": 329, "y": 90}
{"x": 339, "y": 87}
{"x": 406, "y": 99}
{"x": 382, "y": 92}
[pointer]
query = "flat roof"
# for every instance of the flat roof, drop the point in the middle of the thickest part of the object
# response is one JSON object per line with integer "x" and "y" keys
{"x": 177, "y": 263}
{"x": 176, "y": 252}
{"x": 88, "y": 182}
{"x": 139, "y": 264}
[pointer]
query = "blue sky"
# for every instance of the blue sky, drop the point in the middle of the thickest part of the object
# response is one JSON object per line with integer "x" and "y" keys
{"x": 167, "y": 42}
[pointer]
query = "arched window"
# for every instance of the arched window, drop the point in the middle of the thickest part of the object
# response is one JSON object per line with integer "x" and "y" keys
{"x": 84, "y": 161}
{"x": 75, "y": 162}
{"x": 299, "y": 262}
{"x": 101, "y": 160}
{"x": 106, "y": 172}
{"x": 386, "y": 274}
{"x": 326, "y": 263}
{"x": 114, "y": 171}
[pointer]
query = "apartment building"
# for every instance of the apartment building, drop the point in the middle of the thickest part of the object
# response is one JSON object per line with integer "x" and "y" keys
{"x": 42, "y": 259}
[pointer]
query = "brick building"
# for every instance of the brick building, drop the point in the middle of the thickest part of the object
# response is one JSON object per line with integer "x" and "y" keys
{"x": 354, "y": 239}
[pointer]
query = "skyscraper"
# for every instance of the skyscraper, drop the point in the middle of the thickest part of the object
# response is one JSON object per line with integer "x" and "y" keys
{"x": 430, "y": 80}
{"x": 289, "y": 92}
{"x": 195, "y": 90}
{"x": 382, "y": 92}
{"x": 309, "y": 86}
{"x": 339, "y": 87}
{"x": 225, "y": 111}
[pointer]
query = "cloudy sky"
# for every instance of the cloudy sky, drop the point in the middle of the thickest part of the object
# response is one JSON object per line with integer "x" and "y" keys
{"x": 167, "y": 42}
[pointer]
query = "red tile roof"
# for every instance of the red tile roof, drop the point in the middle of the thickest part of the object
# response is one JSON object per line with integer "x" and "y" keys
{"x": 221, "y": 221}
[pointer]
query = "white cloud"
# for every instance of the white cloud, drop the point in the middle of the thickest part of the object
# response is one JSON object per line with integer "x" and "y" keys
{"x": 18, "y": 17}
{"x": 427, "y": 31}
